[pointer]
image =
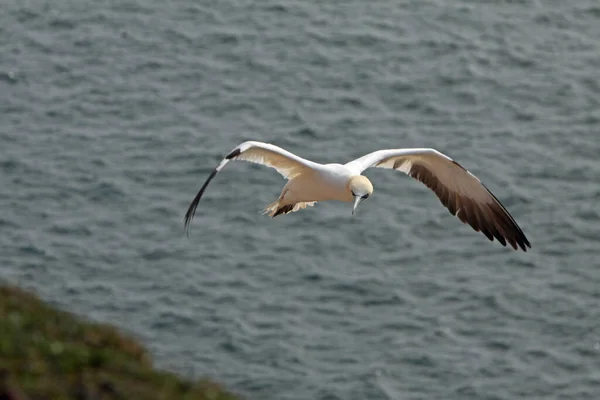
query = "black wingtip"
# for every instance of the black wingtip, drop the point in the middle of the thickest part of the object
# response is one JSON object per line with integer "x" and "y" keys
{"x": 236, "y": 152}
{"x": 520, "y": 238}
{"x": 524, "y": 243}
{"x": 191, "y": 211}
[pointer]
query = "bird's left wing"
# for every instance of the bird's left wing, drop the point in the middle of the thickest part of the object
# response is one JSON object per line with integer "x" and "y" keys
{"x": 461, "y": 192}
{"x": 286, "y": 163}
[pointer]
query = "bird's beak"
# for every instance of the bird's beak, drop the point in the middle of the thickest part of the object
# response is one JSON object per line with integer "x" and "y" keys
{"x": 357, "y": 200}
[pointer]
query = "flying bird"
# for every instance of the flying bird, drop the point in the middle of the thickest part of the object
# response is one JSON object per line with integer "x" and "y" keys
{"x": 461, "y": 192}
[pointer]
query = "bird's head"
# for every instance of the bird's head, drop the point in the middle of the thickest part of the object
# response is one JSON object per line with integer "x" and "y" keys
{"x": 360, "y": 188}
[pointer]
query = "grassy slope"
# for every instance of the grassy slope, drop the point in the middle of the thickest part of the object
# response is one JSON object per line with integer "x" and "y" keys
{"x": 50, "y": 354}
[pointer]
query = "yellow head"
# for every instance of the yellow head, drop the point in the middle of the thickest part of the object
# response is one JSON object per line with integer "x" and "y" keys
{"x": 360, "y": 188}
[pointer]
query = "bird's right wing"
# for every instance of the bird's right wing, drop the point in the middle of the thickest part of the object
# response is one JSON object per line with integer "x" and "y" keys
{"x": 287, "y": 164}
{"x": 461, "y": 192}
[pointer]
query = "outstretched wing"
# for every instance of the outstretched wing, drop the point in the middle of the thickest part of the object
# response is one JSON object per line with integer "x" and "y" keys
{"x": 284, "y": 162}
{"x": 460, "y": 191}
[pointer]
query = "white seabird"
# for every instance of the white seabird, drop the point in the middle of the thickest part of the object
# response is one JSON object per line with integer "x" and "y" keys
{"x": 460, "y": 191}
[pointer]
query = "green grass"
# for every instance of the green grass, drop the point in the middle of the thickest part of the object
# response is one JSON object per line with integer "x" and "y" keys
{"x": 49, "y": 354}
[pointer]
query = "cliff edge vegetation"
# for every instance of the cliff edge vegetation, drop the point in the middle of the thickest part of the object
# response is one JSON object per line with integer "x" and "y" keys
{"x": 50, "y": 354}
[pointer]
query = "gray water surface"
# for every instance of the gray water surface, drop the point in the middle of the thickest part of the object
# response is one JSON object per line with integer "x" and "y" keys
{"x": 113, "y": 114}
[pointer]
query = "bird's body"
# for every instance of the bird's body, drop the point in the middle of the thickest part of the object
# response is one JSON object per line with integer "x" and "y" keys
{"x": 321, "y": 183}
{"x": 310, "y": 182}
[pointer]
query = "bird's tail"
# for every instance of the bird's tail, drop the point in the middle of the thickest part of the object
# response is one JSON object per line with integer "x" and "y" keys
{"x": 275, "y": 208}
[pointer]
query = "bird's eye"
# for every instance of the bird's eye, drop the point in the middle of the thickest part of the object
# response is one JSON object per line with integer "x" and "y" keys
{"x": 353, "y": 194}
{"x": 365, "y": 196}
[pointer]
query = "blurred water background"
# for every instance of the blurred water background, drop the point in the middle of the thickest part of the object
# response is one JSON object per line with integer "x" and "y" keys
{"x": 112, "y": 113}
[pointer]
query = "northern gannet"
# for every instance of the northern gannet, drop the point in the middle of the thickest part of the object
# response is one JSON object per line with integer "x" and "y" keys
{"x": 461, "y": 192}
